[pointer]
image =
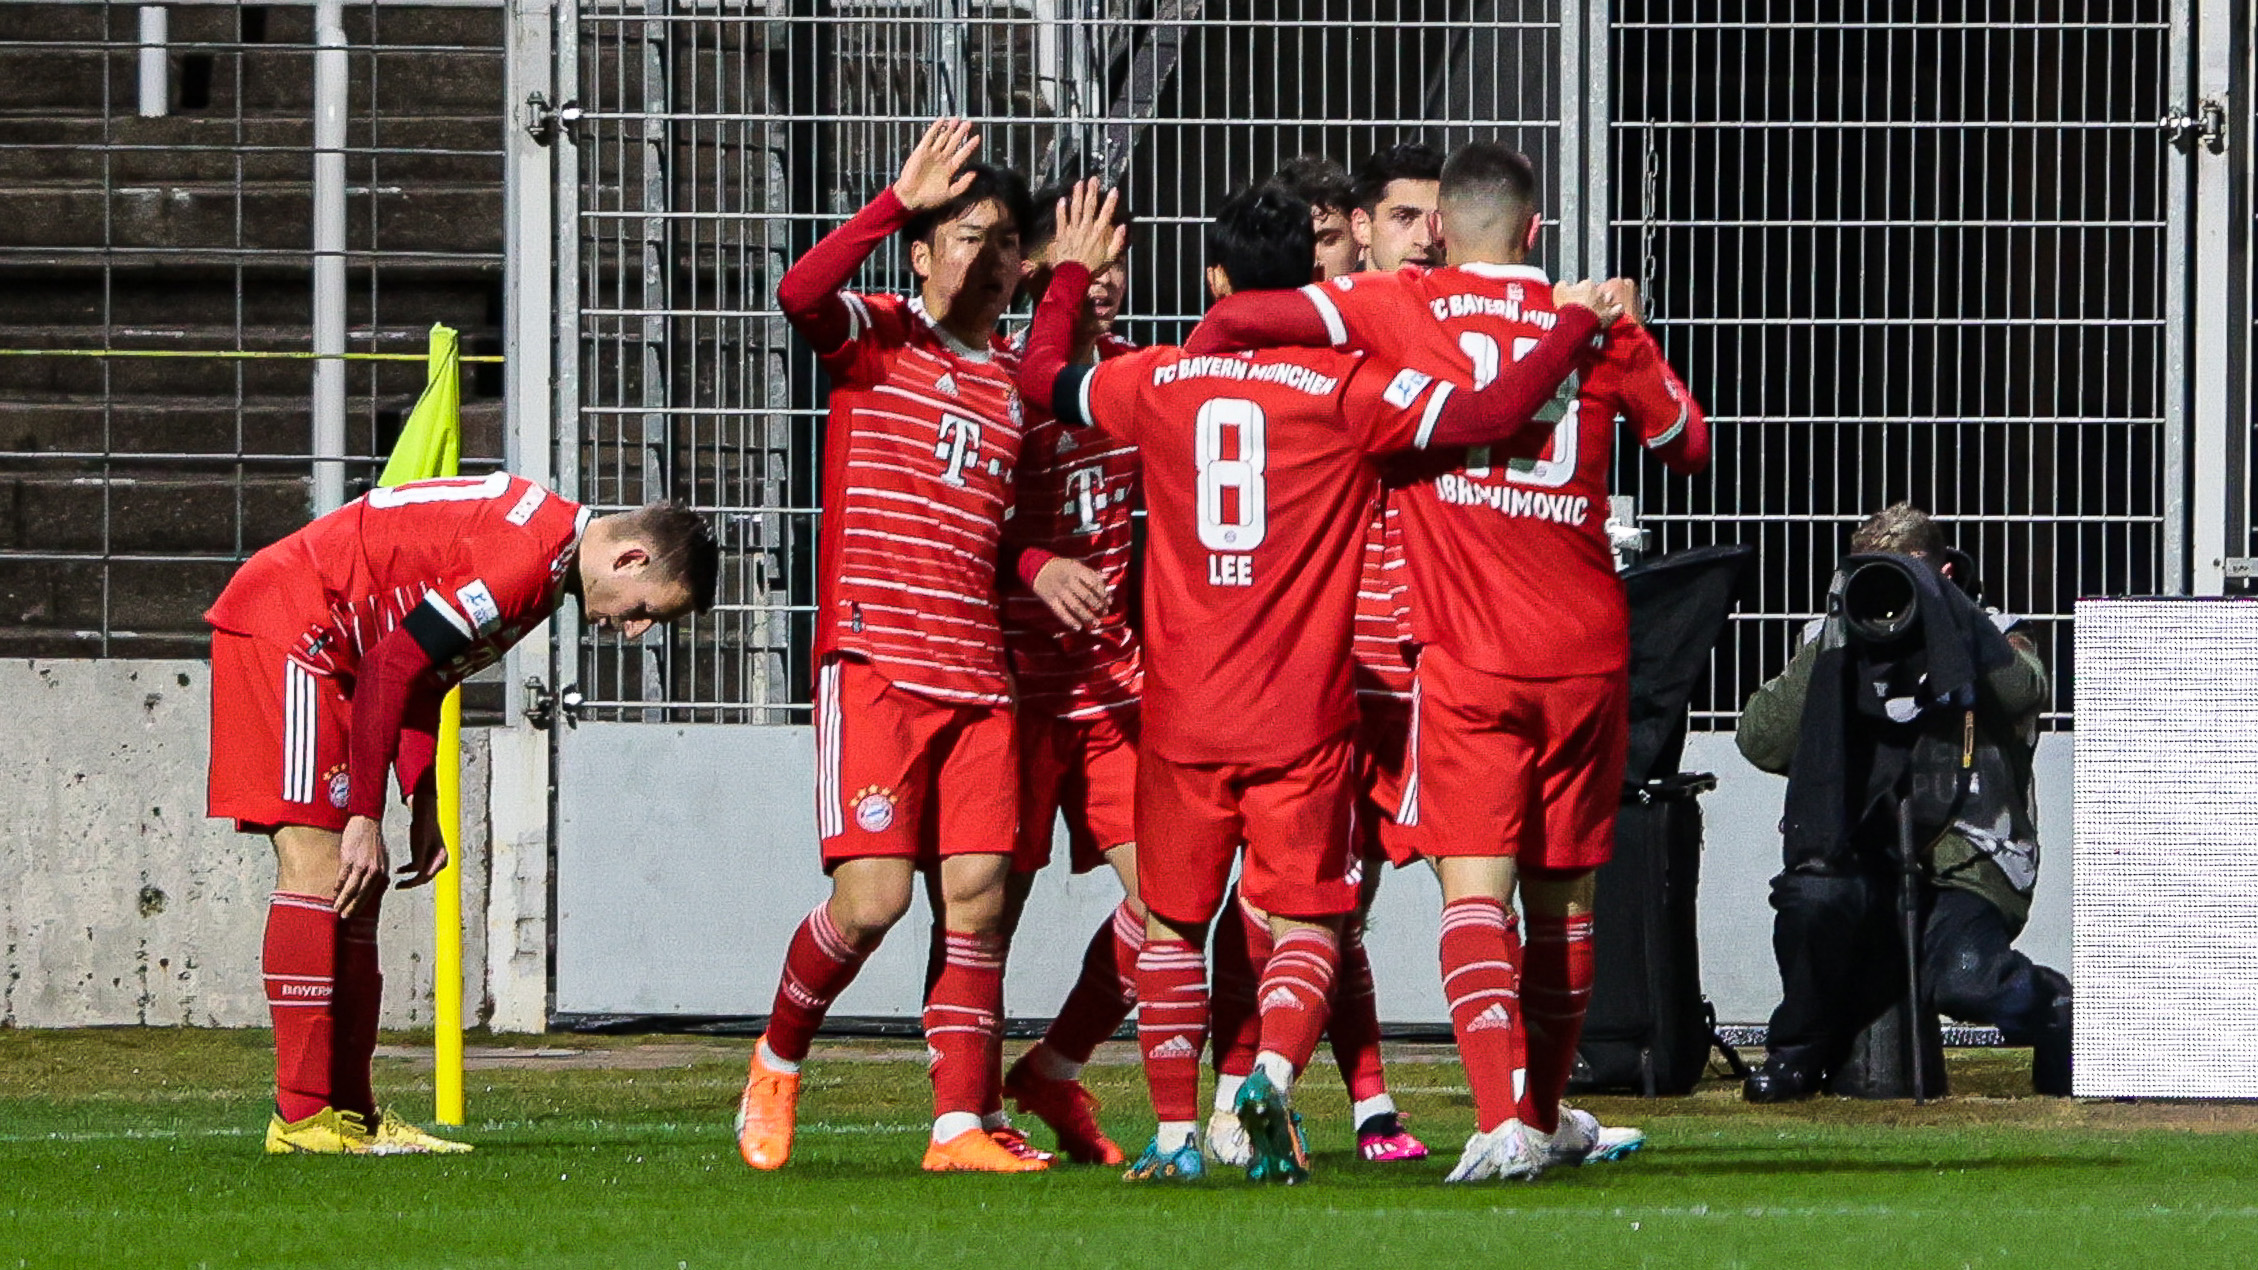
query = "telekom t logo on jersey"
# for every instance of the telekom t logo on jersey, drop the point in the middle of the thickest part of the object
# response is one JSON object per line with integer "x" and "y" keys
{"x": 958, "y": 447}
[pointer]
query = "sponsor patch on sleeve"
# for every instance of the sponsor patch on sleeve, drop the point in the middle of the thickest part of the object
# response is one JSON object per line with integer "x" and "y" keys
{"x": 478, "y": 604}
{"x": 527, "y": 504}
{"x": 1405, "y": 388}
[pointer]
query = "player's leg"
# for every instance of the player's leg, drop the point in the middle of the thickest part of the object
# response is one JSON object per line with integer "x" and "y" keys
{"x": 976, "y": 842}
{"x": 1242, "y": 947}
{"x": 1471, "y": 801}
{"x": 1383, "y": 731}
{"x": 276, "y": 729}
{"x": 1586, "y": 730}
{"x": 1188, "y": 830}
{"x": 1098, "y": 797}
{"x": 871, "y": 768}
{"x": 1300, "y": 834}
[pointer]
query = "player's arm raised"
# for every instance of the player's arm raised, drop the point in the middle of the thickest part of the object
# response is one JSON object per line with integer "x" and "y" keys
{"x": 1086, "y": 240}
{"x": 1649, "y": 393}
{"x": 810, "y": 292}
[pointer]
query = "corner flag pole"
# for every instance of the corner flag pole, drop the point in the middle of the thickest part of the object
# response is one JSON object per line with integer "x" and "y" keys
{"x": 431, "y": 445}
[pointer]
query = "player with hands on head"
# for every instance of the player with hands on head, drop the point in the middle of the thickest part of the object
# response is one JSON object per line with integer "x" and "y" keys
{"x": 914, "y": 728}
{"x": 1259, "y": 470}
{"x": 1523, "y": 639}
{"x": 1079, "y": 668}
{"x": 331, "y": 650}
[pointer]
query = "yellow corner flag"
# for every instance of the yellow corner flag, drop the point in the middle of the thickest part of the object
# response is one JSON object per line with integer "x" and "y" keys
{"x": 431, "y": 444}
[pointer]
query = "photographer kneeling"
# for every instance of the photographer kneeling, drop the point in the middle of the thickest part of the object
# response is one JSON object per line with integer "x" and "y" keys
{"x": 1906, "y": 698}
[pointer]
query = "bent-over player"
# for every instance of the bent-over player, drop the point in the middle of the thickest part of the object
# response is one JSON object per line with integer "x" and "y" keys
{"x": 1259, "y": 478}
{"x": 331, "y": 650}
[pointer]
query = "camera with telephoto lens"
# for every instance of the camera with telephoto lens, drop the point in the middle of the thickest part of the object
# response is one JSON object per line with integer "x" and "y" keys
{"x": 1881, "y": 601}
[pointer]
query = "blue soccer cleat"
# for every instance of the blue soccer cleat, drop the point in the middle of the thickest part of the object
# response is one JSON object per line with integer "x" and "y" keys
{"x": 1182, "y": 1164}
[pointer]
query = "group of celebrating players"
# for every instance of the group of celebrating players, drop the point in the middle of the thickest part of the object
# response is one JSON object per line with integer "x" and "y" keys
{"x": 1379, "y": 621}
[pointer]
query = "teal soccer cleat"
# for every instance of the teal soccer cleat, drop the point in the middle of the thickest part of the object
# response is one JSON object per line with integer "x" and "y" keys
{"x": 1281, "y": 1152}
{"x": 1183, "y": 1164}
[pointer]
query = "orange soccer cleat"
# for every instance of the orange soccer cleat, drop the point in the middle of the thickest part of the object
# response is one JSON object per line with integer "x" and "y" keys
{"x": 973, "y": 1151}
{"x": 1012, "y": 1140}
{"x": 1070, "y": 1110}
{"x": 765, "y": 1115}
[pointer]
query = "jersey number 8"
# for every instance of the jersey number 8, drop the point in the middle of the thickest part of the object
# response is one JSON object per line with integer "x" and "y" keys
{"x": 1229, "y": 450}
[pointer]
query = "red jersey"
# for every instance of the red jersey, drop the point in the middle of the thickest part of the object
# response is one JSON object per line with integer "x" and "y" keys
{"x": 1509, "y": 564}
{"x": 1075, "y": 497}
{"x": 489, "y": 553}
{"x": 1259, "y": 480}
{"x": 917, "y": 472}
{"x": 1383, "y": 608}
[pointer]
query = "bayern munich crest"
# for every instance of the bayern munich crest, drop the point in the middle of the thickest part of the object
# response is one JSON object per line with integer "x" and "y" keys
{"x": 340, "y": 788}
{"x": 874, "y": 809}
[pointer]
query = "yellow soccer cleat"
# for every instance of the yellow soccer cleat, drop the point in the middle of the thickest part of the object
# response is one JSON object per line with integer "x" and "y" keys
{"x": 326, "y": 1132}
{"x": 395, "y": 1136}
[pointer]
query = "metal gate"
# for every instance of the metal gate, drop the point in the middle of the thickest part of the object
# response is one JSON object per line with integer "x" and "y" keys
{"x": 1928, "y": 251}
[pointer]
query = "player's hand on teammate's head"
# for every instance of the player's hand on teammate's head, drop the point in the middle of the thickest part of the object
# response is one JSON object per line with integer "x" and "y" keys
{"x": 934, "y": 171}
{"x": 1074, "y": 591}
{"x": 1086, "y": 233}
{"x": 1589, "y": 295}
{"x": 1625, "y": 293}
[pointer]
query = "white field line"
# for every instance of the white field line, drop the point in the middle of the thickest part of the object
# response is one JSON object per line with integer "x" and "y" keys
{"x": 718, "y": 1128}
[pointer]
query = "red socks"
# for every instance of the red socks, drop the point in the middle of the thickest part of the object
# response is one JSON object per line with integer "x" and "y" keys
{"x": 1355, "y": 1026}
{"x": 818, "y": 967}
{"x": 1105, "y": 993}
{"x": 1172, "y": 1025}
{"x": 1482, "y": 981}
{"x": 1297, "y": 983}
{"x": 300, "y": 968}
{"x": 1242, "y": 949}
{"x": 359, "y": 1001}
{"x": 1556, "y": 988}
{"x": 963, "y": 1018}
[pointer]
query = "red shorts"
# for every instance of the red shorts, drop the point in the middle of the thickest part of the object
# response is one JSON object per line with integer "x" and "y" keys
{"x": 1383, "y": 740}
{"x": 279, "y": 739}
{"x": 1528, "y": 768}
{"x": 1085, "y": 769}
{"x": 1297, "y": 820}
{"x": 897, "y": 774}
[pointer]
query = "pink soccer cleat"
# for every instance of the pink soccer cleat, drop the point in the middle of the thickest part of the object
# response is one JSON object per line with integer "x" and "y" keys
{"x": 1383, "y": 1139}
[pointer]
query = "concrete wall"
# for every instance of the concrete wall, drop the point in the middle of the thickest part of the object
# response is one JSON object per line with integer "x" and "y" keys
{"x": 121, "y": 903}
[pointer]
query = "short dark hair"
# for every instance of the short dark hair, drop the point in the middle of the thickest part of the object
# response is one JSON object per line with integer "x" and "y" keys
{"x": 1262, "y": 238}
{"x": 681, "y": 544}
{"x": 1493, "y": 174}
{"x": 1317, "y": 181}
{"x": 988, "y": 182}
{"x": 1407, "y": 161}
{"x": 1042, "y": 222}
{"x": 1900, "y": 529}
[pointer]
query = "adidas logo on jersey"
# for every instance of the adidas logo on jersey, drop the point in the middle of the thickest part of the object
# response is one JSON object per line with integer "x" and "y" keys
{"x": 1281, "y": 999}
{"x": 948, "y": 384}
{"x": 1178, "y": 1046}
{"x": 1490, "y": 1020}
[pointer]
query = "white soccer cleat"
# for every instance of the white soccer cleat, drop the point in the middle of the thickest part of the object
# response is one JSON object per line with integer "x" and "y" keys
{"x": 1227, "y": 1140}
{"x": 1509, "y": 1152}
{"x": 1582, "y": 1139}
{"x": 1615, "y": 1143}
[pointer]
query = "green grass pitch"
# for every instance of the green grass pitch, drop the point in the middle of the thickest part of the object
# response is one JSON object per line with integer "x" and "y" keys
{"x": 141, "y": 1148}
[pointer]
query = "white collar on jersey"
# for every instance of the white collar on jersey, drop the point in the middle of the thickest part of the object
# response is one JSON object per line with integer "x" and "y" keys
{"x": 1505, "y": 273}
{"x": 951, "y": 342}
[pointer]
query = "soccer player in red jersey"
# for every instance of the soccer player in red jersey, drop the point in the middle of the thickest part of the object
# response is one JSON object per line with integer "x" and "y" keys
{"x": 913, "y": 717}
{"x": 1522, "y": 712}
{"x": 1079, "y": 671}
{"x": 1381, "y": 218}
{"x": 330, "y": 652}
{"x": 1259, "y": 474}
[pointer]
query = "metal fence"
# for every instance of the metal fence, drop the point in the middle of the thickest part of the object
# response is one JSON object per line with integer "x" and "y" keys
{"x": 158, "y": 166}
{"x": 1902, "y": 251}
{"x": 1909, "y": 252}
